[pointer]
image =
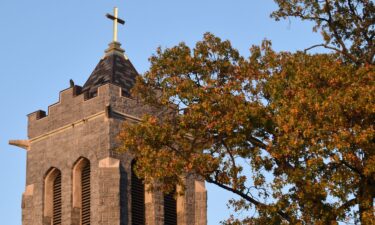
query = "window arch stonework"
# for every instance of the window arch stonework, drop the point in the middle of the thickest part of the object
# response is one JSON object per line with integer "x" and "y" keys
{"x": 137, "y": 198}
{"x": 52, "y": 197}
{"x": 82, "y": 191}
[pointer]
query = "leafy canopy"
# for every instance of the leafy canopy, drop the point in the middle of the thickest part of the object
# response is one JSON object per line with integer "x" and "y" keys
{"x": 291, "y": 134}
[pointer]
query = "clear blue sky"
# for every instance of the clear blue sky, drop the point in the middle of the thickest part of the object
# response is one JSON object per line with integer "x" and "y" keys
{"x": 44, "y": 43}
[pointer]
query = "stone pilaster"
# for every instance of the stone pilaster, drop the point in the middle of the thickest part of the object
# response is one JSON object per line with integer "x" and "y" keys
{"x": 27, "y": 205}
{"x": 186, "y": 203}
{"x": 109, "y": 192}
{"x": 154, "y": 207}
{"x": 200, "y": 203}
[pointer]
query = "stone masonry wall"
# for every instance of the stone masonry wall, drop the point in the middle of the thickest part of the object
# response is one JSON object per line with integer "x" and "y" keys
{"x": 73, "y": 128}
{"x": 77, "y": 127}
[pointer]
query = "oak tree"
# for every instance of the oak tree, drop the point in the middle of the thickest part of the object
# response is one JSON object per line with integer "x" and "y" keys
{"x": 291, "y": 134}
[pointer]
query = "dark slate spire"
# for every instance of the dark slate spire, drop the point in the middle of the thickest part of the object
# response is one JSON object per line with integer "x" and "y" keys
{"x": 114, "y": 68}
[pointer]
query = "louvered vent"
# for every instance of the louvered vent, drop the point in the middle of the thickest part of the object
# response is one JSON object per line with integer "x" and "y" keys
{"x": 85, "y": 195}
{"x": 57, "y": 200}
{"x": 170, "y": 212}
{"x": 138, "y": 200}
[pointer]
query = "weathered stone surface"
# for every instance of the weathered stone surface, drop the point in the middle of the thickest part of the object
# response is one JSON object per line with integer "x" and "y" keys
{"x": 78, "y": 127}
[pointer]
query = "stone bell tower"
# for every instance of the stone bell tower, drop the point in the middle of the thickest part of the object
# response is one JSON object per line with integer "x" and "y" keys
{"x": 74, "y": 174}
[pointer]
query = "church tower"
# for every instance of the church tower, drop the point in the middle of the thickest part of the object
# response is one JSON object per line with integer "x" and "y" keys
{"x": 74, "y": 174}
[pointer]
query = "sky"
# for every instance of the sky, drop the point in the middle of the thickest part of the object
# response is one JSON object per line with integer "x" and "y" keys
{"x": 44, "y": 43}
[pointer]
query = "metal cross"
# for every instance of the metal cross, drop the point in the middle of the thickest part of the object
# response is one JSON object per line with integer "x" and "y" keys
{"x": 115, "y": 21}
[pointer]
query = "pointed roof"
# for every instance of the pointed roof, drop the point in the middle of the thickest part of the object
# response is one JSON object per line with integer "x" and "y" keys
{"x": 114, "y": 68}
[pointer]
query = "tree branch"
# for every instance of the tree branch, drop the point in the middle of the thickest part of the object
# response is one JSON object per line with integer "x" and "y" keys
{"x": 360, "y": 23}
{"x": 257, "y": 142}
{"x": 346, "y": 205}
{"x": 354, "y": 12}
{"x": 325, "y": 46}
{"x": 332, "y": 48}
{"x": 311, "y": 18}
{"x": 333, "y": 28}
{"x": 338, "y": 211}
{"x": 248, "y": 198}
{"x": 352, "y": 168}
{"x": 229, "y": 151}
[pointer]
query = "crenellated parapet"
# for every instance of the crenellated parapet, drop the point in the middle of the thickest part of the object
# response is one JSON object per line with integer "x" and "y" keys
{"x": 75, "y": 107}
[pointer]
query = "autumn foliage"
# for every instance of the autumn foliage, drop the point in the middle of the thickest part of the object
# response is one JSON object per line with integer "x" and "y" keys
{"x": 291, "y": 134}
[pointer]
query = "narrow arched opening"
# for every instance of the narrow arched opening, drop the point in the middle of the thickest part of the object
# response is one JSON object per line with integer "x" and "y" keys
{"x": 52, "y": 197}
{"x": 82, "y": 190}
{"x": 137, "y": 198}
{"x": 170, "y": 209}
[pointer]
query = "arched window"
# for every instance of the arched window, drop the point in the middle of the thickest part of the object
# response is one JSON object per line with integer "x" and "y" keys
{"x": 138, "y": 198}
{"x": 82, "y": 189}
{"x": 170, "y": 209}
{"x": 52, "y": 196}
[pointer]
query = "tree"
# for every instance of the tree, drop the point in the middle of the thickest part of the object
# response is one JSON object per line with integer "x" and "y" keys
{"x": 291, "y": 134}
{"x": 347, "y": 26}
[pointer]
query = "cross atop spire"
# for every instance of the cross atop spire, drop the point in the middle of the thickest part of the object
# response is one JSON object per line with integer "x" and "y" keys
{"x": 115, "y": 21}
{"x": 115, "y": 46}
{"x": 114, "y": 67}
